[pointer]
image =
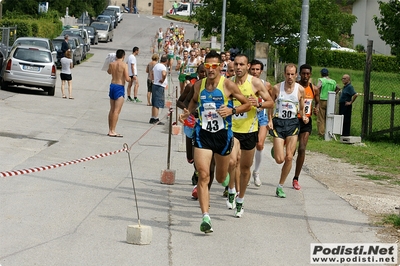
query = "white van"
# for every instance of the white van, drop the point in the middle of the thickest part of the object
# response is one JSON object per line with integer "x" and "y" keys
{"x": 118, "y": 10}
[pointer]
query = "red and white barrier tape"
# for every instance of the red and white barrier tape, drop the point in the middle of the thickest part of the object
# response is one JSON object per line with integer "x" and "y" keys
{"x": 101, "y": 155}
{"x": 381, "y": 96}
{"x": 48, "y": 167}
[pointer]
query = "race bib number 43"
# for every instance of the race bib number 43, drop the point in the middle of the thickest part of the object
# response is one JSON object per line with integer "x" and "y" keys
{"x": 211, "y": 120}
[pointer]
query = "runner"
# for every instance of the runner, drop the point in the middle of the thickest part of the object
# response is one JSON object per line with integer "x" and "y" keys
{"x": 289, "y": 100}
{"x": 213, "y": 134}
{"x": 181, "y": 67}
{"x": 310, "y": 93}
{"x": 245, "y": 129}
{"x": 256, "y": 68}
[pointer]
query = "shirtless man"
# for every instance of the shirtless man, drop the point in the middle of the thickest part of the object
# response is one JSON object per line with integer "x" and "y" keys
{"x": 289, "y": 100}
{"x": 213, "y": 134}
{"x": 119, "y": 73}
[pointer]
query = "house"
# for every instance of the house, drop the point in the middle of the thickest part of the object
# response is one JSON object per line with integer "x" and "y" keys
{"x": 364, "y": 29}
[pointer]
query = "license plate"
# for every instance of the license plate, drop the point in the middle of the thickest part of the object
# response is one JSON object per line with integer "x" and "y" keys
{"x": 30, "y": 68}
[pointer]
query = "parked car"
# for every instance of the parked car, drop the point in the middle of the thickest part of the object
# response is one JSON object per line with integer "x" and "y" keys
{"x": 79, "y": 32}
{"x": 94, "y": 37}
{"x": 107, "y": 19}
{"x": 105, "y": 31}
{"x": 117, "y": 9}
{"x": 35, "y": 41}
{"x": 82, "y": 44}
{"x": 337, "y": 47}
{"x": 76, "y": 49}
{"x": 112, "y": 14}
{"x": 30, "y": 66}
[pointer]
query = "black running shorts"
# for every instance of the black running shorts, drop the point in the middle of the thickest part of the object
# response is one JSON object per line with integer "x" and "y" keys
{"x": 248, "y": 141}
{"x": 284, "y": 128}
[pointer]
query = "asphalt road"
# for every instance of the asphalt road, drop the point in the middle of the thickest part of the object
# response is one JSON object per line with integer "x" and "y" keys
{"x": 78, "y": 214}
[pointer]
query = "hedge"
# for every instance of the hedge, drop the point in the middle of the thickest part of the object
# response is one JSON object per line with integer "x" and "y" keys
{"x": 349, "y": 60}
{"x": 45, "y": 28}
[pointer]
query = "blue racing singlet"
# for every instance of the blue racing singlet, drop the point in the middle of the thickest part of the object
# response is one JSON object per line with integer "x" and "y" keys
{"x": 208, "y": 104}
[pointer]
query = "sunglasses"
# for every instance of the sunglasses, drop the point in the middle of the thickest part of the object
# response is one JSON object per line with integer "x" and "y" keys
{"x": 213, "y": 66}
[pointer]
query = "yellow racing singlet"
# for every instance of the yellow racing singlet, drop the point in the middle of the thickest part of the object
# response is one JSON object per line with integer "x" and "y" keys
{"x": 245, "y": 122}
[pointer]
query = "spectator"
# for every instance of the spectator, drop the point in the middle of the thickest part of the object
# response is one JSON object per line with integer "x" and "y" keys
{"x": 159, "y": 84}
{"x": 346, "y": 100}
{"x": 150, "y": 76}
{"x": 325, "y": 85}
{"x": 65, "y": 45}
{"x": 65, "y": 75}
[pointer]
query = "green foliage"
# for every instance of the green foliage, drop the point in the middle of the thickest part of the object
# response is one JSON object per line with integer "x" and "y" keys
{"x": 76, "y": 7}
{"x": 360, "y": 48}
{"x": 388, "y": 24}
{"x": 393, "y": 219}
{"x": 347, "y": 60}
{"x": 266, "y": 20}
{"x": 47, "y": 28}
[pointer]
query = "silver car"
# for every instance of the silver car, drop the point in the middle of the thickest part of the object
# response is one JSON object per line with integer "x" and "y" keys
{"x": 105, "y": 31}
{"x": 30, "y": 66}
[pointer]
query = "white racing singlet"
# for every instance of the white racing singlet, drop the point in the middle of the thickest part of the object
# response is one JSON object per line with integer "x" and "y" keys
{"x": 287, "y": 105}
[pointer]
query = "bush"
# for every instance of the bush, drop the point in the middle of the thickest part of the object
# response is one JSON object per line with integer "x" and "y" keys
{"x": 43, "y": 27}
{"x": 348, "y": 60}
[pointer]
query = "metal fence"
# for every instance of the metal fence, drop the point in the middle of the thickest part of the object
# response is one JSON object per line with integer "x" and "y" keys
{"x": 381, "y": 103}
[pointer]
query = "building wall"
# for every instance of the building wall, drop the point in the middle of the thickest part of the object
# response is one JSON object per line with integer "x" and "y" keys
{"x": 364, "y": 29}
{"x": 143, "y": 5}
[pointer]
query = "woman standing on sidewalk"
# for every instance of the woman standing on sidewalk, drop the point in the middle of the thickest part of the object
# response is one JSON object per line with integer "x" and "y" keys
{"x": 66, "y": 76}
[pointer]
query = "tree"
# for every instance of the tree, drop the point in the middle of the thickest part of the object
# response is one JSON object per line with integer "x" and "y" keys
{"x": 388, "y": 25}
{"x": 248, "y": 21}
{"x": 76, "y": 7}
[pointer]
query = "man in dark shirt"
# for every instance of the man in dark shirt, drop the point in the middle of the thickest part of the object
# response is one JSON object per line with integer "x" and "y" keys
{"x": 347, "y": 97}
{"x": 65, "y": 45}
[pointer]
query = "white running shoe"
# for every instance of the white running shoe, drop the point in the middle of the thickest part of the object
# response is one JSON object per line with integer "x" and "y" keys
{"x": 230, "y": 201}
{"x": 256, "y": 177}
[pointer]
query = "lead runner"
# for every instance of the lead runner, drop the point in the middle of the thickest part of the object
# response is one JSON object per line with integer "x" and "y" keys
{"x": 213, "y": 131}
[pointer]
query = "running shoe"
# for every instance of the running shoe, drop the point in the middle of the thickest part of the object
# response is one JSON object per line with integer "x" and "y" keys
{"x": 226, "y": 182}
{"x": 256, "y": 177}
{"x": 239, "y": 210}
{"x": 129, "y": 99}
{"x": 280, "y": 193}
{"x": 194, "y": 193}
{"x": 225, "y": 193}
{"x": 205, "y": 225}
{"x": 296, "y": 185}
{"x": 195, "y": 178}
{"x": 137, "y": 100}
{"x": 230, "y": 201}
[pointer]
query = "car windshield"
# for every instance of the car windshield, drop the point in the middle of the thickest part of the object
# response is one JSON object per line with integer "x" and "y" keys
{"x": 90, "y": 30}
{"x": 104, "y": 19}
{"x": 100, "y": 26}
{"x": 32, "y": 55}
{"x": 72, "y": 32}
{"x": 39, "y": 43}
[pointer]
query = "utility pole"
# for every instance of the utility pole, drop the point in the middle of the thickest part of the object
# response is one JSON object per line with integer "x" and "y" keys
{"x": 223, "y": 25}
{"x": 305, "y": 10}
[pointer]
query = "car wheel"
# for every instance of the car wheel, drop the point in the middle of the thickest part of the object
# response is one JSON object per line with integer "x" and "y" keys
{"x": 51, "y": 91}
{"x": 111, "y": 40}
{"x": 4, "y": 84}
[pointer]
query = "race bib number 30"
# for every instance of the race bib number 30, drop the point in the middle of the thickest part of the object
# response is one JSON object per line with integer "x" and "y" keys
{"x": 211, "y": 120}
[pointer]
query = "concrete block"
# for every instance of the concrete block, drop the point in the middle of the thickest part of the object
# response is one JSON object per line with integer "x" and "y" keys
{"x": 168, "y": 177}
{"x": 176, "y": 129}
{"x": 350, "y": 139}
{"x": 139, "y": 235}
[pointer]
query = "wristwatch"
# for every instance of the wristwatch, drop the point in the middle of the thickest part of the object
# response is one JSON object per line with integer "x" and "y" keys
{"x": 233, "y": 110}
